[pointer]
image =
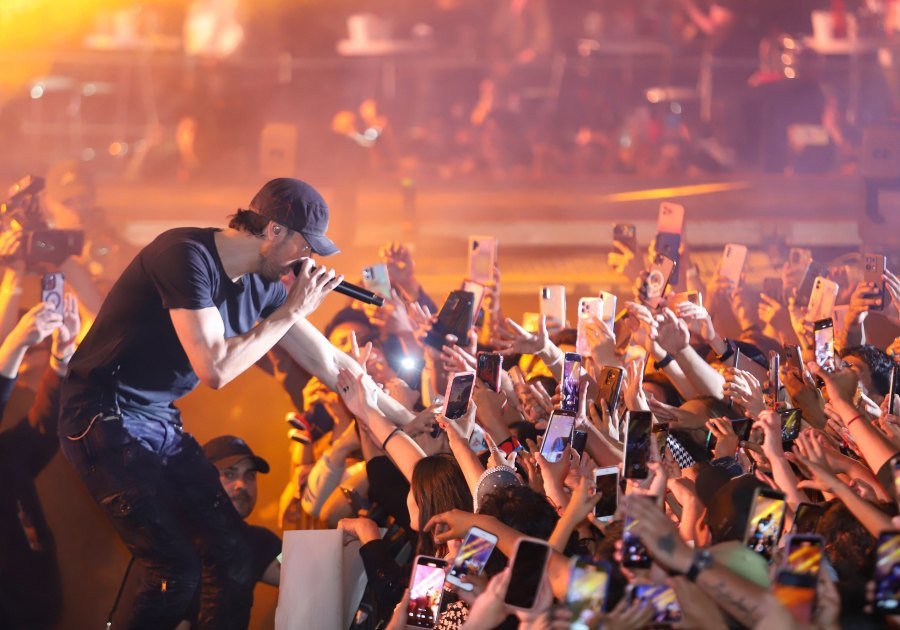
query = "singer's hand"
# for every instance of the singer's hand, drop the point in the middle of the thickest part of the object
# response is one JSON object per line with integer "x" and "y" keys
{"x": 313, "y": 283}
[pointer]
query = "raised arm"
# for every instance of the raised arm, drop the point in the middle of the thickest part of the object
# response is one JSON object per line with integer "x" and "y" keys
{"x": 218, "y": 360}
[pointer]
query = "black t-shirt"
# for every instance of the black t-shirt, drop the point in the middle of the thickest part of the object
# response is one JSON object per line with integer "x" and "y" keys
{"x": 132, "y": 350}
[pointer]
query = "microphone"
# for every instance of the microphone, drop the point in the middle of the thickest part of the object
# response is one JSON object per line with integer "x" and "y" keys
{"x": 351, "y": 290}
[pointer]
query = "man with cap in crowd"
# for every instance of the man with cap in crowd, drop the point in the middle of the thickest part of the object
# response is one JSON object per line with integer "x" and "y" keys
{"x": 238, "y": 466}
{"x": 195, "y": 305}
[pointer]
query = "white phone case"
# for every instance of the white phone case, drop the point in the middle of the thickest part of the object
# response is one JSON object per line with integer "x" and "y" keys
{"x": 822, "y": 299}
{"x": 732, "y": 264}
{"x": 553, "y": 302}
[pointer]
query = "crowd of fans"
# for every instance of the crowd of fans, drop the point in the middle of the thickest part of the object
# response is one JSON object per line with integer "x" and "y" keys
{"x": 719, "y": 365}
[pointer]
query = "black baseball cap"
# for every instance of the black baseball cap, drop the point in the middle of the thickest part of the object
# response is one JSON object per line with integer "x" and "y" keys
{"x": 232, "y": 447}
{"x": 298, "y": 206}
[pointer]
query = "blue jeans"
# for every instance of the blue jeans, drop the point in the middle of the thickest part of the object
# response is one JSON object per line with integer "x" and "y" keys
{"x": 166, "y": 502}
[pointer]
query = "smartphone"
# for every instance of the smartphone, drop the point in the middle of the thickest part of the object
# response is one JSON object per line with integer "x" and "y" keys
{"x": 459, "y": 392}
{"x": 589, "y": 309}
{"x": 765, "y": 522}
{"x": 791, "y": 420}
{"x": 800, "y": 256}
{"x": 553, "y": 303}
{"x": 732, "y": 264}
{"x": 823, "y": 331}
{"x": 887, "y": 573}
{"x": 626, "y": 233}
{"x": 558, "y": 435}
{"x": 873, "y": 271}
{"x": 455, "y": 318}
{"x": 694, "y": 297}
{"x": 610, "y": 385}
{"x": 634, "y": 553}
{"x": 773, "y": 378}
{"x": 637, "y": 444}
{"x": 793, "y": 358}
{"x": 377, "y": 280}
{"x": 893, "y": 388}
{"x": 587, "y": 591}
{"x": 473, "y": 554}
{"x": 482, "y": 258}
{"x": 804, "y": 292}
{"x": 579, "y": 441}
{"x": 607, "y": 309}
{"x": 571, "y": 380}
{"x": 528, "y": 566}
{"x": 822, "y": 299}
{"x": 489, "y": 366}
{"x": 797, "y": 579}
{"x": 658, "y": 276}
{"x": 773, "y": 288}
{"x": 52, "y": 290}
{"x": 606, "y": 481}
{"x": 476, "y": 290}
{"x": 670, "y": 218}
{"x": 807, "y": 517}
{"x": 661, "y": 599}
{"x": 426, "y": 588}
{"x": 669, "y": 245}
{"x": 741, "y": 428}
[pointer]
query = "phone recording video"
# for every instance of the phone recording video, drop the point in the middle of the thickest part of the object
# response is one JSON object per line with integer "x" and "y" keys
{"x": 610, "y": 386}
{"x": 797, "y": 579}
{"x": 473, "y": 555}
{"x": 654, "y": 285}
{"x": 741, "y": 427}
{"x": 873, "y": 272}
{"x": 773, "y": 379}
{"x": 488, "y": 368}
{"x": 455, "y": 318}
{"x": 893, "y": 388}
{"x": 791, "y": 421}
{"x": 459, "y": 391}
{"x": 823, "y": 331}
{"x": 528, "y": 566}
{"x": 626, "y": 233}
{"x": 482, "y": 259}
{"x": 634, "y": 553}
{"x": 766, "y": 521}
{"x": 553, "y": 303}
{"x": 571, "y": 381}
{"x": 887, "y": 573}
{"x": 807, "y": 517}
{"x": 606, "y": 482}
{"x": 587, "y": 591}
{"x": 425, "y": 591}
{"x": 661, "y": 599}
{"x": 637, "y": 444}
{"x": 377, "y": 280}
{"x": 558, "y": 435}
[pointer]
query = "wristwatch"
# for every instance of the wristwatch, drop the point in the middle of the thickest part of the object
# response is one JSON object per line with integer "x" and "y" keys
{"x": 703, "y": 559}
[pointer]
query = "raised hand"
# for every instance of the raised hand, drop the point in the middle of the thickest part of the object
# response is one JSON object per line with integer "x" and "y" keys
{"x": 727, "y": 441}
{"x": 743, "y": 388}
{"x": 513, "y": 339}
{"x": 35, "y": 325}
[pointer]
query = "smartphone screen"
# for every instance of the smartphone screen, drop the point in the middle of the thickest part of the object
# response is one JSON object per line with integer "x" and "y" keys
{"x": 634, "y": 553}
{"x": 587, "y": 591}
{"x": 661, "y": 598}
{"x": 887, "y": 573}
{"x": 571, "y": 380}
{"x": 489, "y": 366}
{"x": 558, "y": 435}
{"x": 482, "y": 257}
{"x": 807, "y": 517}
{"x": 473, "y": 554}
{"x": 528, "y": 568}
{"x": 766, "y": 521}
{"x": 791, "y": 420}
{"x": 823, "y": 331}
{"x": 459, "y": 391}
{"x": 425, "y": 590}
{"x": 637, "y": 444}
{"x": 610, "y": 386}
{"x": 606, "y": 481}
{"x": 52, "y": 290}
{"x": 377, "y": 280}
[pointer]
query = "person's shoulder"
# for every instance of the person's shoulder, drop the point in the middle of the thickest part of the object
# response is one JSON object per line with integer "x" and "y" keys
{"x": 186, "y": 241}
{"x": 262, "y": 535}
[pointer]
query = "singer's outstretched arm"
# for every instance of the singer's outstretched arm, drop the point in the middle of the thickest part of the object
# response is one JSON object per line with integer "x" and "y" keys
{"x": 319, "y": 357}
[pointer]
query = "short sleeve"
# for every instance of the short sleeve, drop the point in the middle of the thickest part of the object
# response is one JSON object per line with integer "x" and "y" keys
{"x": 266, "y": 546}
{"x": 183, "y": 276}
{"x": 277, "y": 296}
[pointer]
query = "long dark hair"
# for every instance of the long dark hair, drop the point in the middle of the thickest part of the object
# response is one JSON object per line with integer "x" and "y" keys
{"x": 438, "y": 485}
